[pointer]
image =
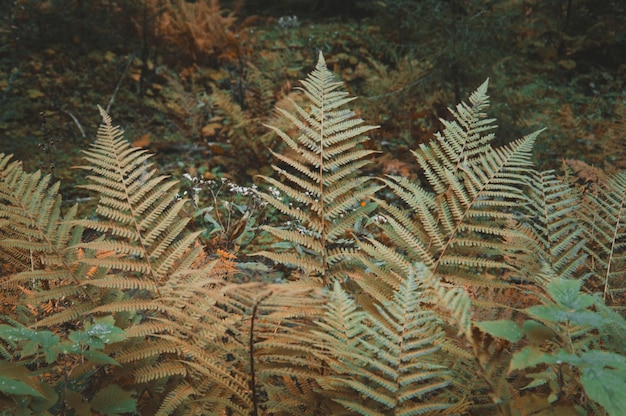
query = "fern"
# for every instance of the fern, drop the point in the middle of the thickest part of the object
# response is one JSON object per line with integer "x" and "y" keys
{"x": 137, "y": 206}
{"x": 462, "y": 227}
{"x": 604, "y": 216}
{"x": 458, "y": 226}
{"x": 155, "y": 279}
{"x": 552, "y": 218}
{"x": 389, "y": 354}
{"x": 34, "y": 235}
{"x": 147, "y": 309}
{"x": 320, "y": 185}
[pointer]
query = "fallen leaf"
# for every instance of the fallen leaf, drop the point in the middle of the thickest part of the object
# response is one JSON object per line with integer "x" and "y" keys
{"x": 143, "y": 141}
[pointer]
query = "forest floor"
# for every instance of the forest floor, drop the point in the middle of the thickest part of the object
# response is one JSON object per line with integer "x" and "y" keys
{"x": 204, "y": 114}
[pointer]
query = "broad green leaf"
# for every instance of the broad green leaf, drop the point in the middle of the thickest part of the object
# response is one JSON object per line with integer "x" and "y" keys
{"x": 536, "y": 332}
{"x": 113, "y": 400}
{"x": 527, "y": 357}
{"x": 105, "y": 329}
{"x": 41, "y": 341}
{"x": 99, "y": 357}
{"x": 13, "y": 387}
{"x": 588, "y": 318}
{"x": 551, "y": 313}
{"x": 566, "y": 292}
{"x": 555, "y": 313}
{"x": 539, "y": 379}
{"x": 606, "y": 387}
{"x": 13, "y": 334}
{"x": 596, "y": 359}
{"x": 102, "y": 331}
{"x": 503, "y": 328}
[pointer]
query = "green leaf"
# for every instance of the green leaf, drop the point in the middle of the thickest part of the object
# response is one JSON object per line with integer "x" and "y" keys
{"x": 588, "y": 318}
{"x": 502, "y": 328}
{"x": 555, "y": 313}
{"x": 46, "y": 340}
{"x": 113, "y": 400}
{"x": 606, "y": 387}
{"x": 102, "y": 331}
{"x": 527, "y": 357}
{"x": 596, "y": 358}
{"x": 12, "y": 334}
{"x": 13, "y": 387}
{"x": 550, "y": 313}
{"x": 99, "y": 357}
{"x": 536, "y": 332}
{"x": 539, "y": 379}
{"x": 566, "y": 292}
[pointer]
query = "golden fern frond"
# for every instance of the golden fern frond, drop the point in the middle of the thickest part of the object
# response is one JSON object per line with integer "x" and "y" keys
{"x": 389, "y": 354}
{"x": 458, "y": 226}
{"x": 160, "y": 371}
{"x": 604, "y": 215}
{"x": 175, "y": 398}
{"x": 75, "y": 313}
{"x": 35, "y": 237}
{"x": 277, "y": 334}
{"x": 320, "y": 173}
{"x": 190, "y": 333}
{"x": 462, "y": 140}
{"x": 140, "y": 211}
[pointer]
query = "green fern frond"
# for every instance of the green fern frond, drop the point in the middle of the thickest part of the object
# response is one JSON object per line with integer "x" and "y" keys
{"x": 320, "y": 174}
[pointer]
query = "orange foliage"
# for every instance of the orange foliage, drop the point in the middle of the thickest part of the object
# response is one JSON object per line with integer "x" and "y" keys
{"x": 201, "y": 29}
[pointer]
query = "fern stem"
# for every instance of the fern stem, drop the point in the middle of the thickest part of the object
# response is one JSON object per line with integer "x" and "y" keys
{"x": 323, "y": 204}
{"x": 251, "y": 355}
{"x": 253, "y": 315}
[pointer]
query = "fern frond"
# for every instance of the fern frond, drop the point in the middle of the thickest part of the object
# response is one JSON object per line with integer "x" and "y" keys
{"x": 321, "y": 172}
{"x": 458, "y": 228}
{"x": 175, "y": 398}
{"x": 604, "y": 215}
{"x": 388, "y": 353}
{"x": 146, "y": 350}
{"x": 139, "y": 209}
{"x": 34, "y": 236}
{"x": 552, "y": 218}
{"x": 160, "y": 371}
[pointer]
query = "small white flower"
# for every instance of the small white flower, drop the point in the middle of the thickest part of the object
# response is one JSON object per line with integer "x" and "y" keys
{"x": 379, "y": 219}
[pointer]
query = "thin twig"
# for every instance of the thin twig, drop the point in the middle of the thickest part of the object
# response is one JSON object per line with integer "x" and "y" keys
{"x": 119, "y": 83}
{"x": 73, "y": 117}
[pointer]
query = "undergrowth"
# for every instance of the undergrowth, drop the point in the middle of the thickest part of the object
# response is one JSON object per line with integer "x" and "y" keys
{"x": 482, "y": 287}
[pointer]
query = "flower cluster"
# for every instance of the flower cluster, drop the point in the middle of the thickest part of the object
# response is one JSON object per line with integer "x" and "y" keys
{"x": 287, "y": 22}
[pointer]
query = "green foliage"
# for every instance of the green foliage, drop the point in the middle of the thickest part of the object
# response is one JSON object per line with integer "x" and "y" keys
{"x": 578, "y": 320}
{"x": 45, "y": 351}
{"x": 112, "y": 400}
